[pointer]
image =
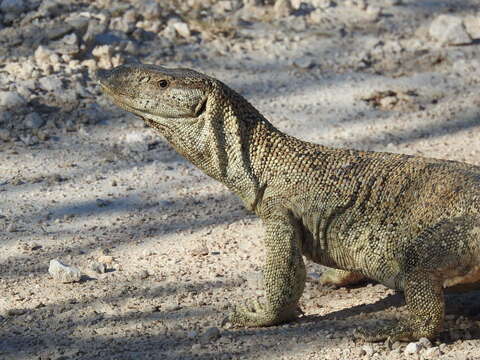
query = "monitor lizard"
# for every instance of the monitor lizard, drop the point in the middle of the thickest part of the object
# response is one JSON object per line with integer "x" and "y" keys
{"x": 408, "y": 222}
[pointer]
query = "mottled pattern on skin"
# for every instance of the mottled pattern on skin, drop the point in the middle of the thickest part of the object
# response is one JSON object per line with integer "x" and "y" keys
{"x": 408, "y": 222}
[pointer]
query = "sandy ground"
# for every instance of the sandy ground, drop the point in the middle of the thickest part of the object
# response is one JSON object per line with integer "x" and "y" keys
{"x": 91, "y": 185}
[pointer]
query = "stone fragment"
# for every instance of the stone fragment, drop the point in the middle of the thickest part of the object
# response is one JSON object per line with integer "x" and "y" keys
{"x": 368, "y": 350}
{"x": 432, "y": 353}
{"x": 42, "y": 54}
{"x": 304, "y": 62}
{"x": 126, "y": 23}
{"x": 57, "y": 31}
{"x": 106, "y": 259}
{"x": 51, "y": 83}
{"x": 68, "y": 45}
{"x": 472, "y": 25}
{"x": 182, "y": 29}
{"x": 63, "y": 273}
{"x": 79, "y": 23}
{"x": 33, "y": 121}
{"x": 50, "y": 8}
{"x": 413, "y": 348}
{"x": 22, "y": 70}
{"x": 103, "y": 53}
{"x": 11, "y": 99}
{"x": 282, "y": 8}
{"x": 449, "y": 30}
{"x": 150, "y": 10}
{"x": 425, "y": 342}
{"x": 94, "y": 29}
{"x": 98, "y": 267}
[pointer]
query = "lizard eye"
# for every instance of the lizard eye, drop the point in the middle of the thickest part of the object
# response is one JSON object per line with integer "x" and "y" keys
{"x": 163, "y": 83}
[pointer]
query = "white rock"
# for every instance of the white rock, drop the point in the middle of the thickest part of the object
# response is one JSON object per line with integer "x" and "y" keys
{"x": 432, "y": 353}
{"x": 296, "y": 4}
{"x": 50, "y": 83}
{"x": 472, "y": 25}
{"x": 368, "y": 350}
{"x": 282, "y": 8}
{"x": 102, "y": 50}
{"x": 182, "y": 29}
{"x": 103, "y": 53}
{"x": 42, "y": 54}
{"x": 23, "y": 70}
{"x": 11, "y": 99}
{"x": 63, "y": 273}
{"x": 425, "y": 342}
{"x": 449, "y": 30}
{"x": 413, "y": 348}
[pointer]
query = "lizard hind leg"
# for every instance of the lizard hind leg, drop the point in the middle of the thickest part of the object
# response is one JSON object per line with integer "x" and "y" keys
{"x": 425, "y": 305}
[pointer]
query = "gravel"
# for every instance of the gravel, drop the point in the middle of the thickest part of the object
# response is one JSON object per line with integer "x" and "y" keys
{"x": 166, "y": 250}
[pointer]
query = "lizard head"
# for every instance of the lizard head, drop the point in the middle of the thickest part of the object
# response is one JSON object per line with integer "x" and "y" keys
{"x": 202, "y": 118}
{"x": 162, "y": 97}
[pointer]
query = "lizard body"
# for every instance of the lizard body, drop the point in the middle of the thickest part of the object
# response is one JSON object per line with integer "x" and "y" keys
{"x": 408, "y": 222}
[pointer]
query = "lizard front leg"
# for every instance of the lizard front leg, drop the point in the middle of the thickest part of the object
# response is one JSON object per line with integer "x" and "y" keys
{"x": 284, "y": 276}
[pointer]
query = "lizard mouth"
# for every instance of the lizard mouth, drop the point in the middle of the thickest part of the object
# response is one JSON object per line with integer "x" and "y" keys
{"x": 139, "y": 112}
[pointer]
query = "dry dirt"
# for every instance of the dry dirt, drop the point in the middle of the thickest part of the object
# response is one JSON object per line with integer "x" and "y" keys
{"x": 165, "y": 251}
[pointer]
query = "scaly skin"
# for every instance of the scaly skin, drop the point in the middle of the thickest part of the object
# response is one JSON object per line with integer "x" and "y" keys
{"x": 408, "y": 222}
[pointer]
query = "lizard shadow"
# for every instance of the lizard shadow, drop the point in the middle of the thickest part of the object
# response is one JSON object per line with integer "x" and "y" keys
{"x": 459, "y": 304}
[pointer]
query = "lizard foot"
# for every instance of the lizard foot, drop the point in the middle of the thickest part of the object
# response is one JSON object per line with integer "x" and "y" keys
{"x": 398, "y": 331}
{"x": 255, "y": 314}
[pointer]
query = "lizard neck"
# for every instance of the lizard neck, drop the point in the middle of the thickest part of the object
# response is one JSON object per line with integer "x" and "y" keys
{"x": 226, "y": 144}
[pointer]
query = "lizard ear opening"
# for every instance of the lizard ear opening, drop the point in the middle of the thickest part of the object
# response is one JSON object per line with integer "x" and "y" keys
{"x": 201, "y": 107}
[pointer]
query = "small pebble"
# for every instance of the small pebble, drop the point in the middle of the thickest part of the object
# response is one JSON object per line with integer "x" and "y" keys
{"x": 368, "y": 350}
{"x": 413, "y": 348}
{"x": 106, "y": 259}
{"x": 63, "y": 273}
{"x": 432, "y": 353}
{"x": 425, "y": 343}
{"x": 98, "y": 267}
